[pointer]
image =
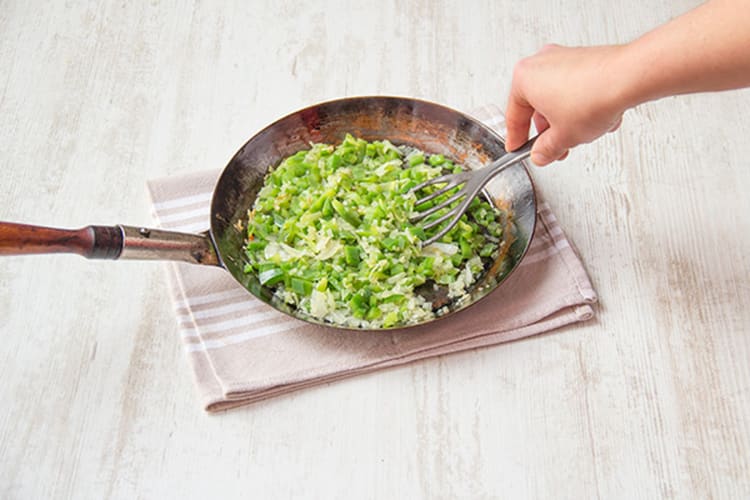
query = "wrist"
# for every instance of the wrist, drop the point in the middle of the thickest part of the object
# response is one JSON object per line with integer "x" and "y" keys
{"x": 630, "y": 76}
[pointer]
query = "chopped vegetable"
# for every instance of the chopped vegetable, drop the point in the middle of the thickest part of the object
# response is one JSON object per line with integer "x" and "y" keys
{"x": 329, "y": 232}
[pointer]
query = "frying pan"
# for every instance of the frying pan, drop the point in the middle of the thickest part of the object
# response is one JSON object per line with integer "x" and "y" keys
{"x": 428, "y": 126}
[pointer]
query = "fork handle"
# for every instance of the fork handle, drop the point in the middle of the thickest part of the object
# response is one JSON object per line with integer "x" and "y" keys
{"x": 517, "y": 154}
{"x": 507, "y": 160}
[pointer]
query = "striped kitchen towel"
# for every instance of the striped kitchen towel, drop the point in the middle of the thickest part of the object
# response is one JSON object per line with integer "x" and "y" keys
{"x": 241, "y": 350}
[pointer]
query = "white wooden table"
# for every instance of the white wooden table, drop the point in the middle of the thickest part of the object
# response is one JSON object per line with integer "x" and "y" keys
{"x": 650, "y": 400}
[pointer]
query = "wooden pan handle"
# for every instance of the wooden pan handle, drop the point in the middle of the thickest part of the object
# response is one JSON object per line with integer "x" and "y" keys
{"x": 92, "y": 242}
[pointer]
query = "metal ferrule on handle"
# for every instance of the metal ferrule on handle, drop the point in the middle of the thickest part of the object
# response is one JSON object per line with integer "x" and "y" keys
{"x": 140, "y": 243}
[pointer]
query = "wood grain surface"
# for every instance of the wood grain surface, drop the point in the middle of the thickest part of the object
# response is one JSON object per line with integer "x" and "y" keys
{"x": 650, "y": 400}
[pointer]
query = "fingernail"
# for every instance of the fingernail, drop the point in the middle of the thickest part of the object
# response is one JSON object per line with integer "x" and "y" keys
{"x": 539, "y": 159}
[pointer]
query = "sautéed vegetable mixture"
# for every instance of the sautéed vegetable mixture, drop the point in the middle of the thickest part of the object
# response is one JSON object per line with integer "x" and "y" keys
{"x": 329, "y": 232}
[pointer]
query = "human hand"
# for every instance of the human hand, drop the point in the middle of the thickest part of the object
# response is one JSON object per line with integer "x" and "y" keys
{"x": 574, "y": 95}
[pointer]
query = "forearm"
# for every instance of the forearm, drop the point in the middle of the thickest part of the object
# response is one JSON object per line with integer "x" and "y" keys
{"x": 706, "y": 49}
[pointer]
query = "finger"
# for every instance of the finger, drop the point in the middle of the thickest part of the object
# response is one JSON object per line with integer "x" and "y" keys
{"x": 548, "y": 148}
{"x": 517, "y": 121}
{"x": 540, "y": 122}
{"x": 565, "y": 155}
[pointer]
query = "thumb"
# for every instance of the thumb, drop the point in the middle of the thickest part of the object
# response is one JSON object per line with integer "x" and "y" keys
{"x": 548, "y": 147}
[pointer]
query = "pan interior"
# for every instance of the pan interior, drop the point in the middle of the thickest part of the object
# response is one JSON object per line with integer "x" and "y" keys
{"x": 424, "y": 125}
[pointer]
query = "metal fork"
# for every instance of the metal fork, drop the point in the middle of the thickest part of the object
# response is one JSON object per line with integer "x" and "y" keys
{"x": 473, "y": 181}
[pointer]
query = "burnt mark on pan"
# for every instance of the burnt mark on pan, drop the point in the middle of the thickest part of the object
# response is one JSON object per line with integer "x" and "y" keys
{"x": 311, "y": 118}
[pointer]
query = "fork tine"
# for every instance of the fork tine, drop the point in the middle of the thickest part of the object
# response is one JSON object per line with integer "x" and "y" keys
{"x": 421, "y": 215}
{"x": 456, "y": 212}
{"x": 440, "y": 219}
{"x": 432, "y": 240}
{"x": 437, "y": 193}
{"x": 445, "y": 230}
{"x": 429, "y": 182}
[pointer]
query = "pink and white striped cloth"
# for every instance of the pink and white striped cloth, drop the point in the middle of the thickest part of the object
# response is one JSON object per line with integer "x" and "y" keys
{"x": 241, "y": 350}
